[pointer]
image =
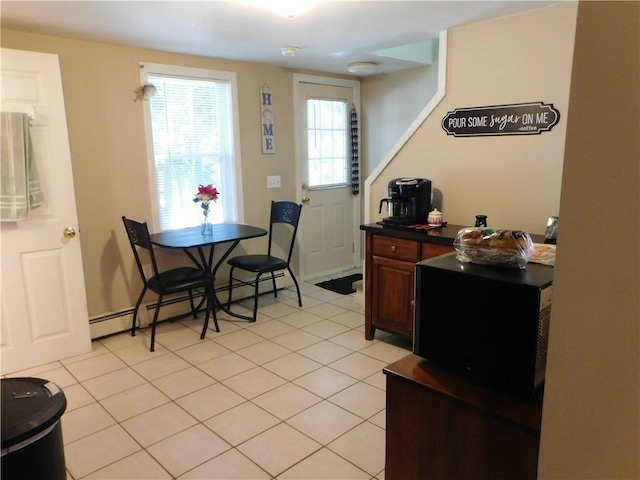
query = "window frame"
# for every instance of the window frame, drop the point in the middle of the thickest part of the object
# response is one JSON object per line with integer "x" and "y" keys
{"x": 146, "y": 69}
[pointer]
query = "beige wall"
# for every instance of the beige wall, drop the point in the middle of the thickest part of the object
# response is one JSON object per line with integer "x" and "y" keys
{"x": 591, "y": 419}
{"x": 515, "y": 180}
{"x": 390, "y": 103}
{"x": 109, "y": 156}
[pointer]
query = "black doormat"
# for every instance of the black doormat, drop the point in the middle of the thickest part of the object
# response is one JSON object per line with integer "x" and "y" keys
{"x": 343, "y": 285}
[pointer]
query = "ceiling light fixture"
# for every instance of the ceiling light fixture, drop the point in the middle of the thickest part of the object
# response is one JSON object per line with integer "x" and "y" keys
{"x": 289, "y": 51}
{"x": 285, "y": 8}
{"x": 362, "y": 67}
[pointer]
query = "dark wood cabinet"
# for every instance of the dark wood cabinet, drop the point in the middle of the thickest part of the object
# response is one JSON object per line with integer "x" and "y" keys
{"x": 441, "y": 426}
{"x": 392, "y": 303}
{"x": 390, "y": 260}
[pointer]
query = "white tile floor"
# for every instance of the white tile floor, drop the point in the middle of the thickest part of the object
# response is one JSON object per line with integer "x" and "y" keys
{"x": 300, "y": 394}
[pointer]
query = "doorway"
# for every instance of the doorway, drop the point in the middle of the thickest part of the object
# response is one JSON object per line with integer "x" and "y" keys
{"x": 44, "y": 308}
{"x": 329, "y": 227}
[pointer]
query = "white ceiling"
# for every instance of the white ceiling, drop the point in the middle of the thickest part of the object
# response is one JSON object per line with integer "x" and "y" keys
{"x": 329, "y": 36}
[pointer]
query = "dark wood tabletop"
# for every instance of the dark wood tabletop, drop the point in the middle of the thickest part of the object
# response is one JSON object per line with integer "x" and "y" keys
{"x": 192, "y": 237}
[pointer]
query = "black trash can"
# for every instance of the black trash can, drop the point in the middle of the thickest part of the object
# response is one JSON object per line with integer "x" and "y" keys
{"x": 32, "y": 444}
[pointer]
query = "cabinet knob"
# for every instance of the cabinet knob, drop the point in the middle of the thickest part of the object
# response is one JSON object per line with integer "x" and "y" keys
{"x": 393, "y": 248}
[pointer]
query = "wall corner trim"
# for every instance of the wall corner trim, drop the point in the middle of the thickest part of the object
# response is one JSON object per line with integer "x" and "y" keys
{"x": 435, "y": 100}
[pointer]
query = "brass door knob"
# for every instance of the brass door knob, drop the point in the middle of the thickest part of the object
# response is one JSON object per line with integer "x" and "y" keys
{"x": 306, "y": 199}
{"x": 305, "y": 186}
{"x": 69, "y": 232}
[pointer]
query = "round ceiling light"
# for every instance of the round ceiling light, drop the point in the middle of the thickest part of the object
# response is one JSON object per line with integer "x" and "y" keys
{"x": 362, "y": 67}
{"x": 289, "y": 51}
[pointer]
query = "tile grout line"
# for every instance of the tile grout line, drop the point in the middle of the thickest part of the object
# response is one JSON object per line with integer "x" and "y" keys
{"x": 197, "y": 365}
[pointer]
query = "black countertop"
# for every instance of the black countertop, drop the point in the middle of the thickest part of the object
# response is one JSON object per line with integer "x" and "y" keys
{"x": 442, "y": 235}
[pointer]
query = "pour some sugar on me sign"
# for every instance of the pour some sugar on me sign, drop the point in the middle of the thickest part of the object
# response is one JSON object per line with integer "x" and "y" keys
{"x": 515, "y": 119}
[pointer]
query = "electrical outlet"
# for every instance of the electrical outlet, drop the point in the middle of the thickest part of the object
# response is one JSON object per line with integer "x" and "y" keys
{"x": 273, "y": 181}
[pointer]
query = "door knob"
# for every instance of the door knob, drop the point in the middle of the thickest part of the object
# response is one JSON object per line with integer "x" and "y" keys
{"x": 306, "y": 199}
{"x": 69, "y": 232}
{"x": 305, "y": 186}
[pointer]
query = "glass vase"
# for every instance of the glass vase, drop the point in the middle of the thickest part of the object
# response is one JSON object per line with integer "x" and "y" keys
{"x": 206, "y": 228}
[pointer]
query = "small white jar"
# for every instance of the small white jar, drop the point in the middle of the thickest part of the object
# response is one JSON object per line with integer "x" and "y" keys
{"x": 435, "y": 218}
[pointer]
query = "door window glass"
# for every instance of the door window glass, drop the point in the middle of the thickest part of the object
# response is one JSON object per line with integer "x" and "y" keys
{"x": 327, "y": 142}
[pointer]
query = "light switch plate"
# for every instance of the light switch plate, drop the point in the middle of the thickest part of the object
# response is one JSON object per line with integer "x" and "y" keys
{"x": 273, "y": 181}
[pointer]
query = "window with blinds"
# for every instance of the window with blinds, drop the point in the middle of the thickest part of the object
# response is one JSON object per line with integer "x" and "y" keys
{"x": 327, "y": 142}
{"x": 192, "y": 130}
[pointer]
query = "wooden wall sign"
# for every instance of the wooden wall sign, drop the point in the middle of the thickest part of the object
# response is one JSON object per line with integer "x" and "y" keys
{"x": 516, "y": 119}
{"x": 266, "y": 120}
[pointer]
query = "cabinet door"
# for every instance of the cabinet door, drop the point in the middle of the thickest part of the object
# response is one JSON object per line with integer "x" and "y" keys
{"x": 392, "y": 304}
{"x": 432, "y": 435}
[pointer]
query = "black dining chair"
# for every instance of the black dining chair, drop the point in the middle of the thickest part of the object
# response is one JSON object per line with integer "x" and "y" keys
{"x": 258, "y": 264}
{"x": 176, "y": 280}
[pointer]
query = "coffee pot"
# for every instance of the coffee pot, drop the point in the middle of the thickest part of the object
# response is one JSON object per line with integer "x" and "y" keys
{"x": 409, "y": 201}
{"x": 396, "y": 207}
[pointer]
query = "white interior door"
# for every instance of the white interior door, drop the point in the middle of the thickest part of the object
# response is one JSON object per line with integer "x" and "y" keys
{"x": 44, "y": 311}
{"x": 331, "y": 213}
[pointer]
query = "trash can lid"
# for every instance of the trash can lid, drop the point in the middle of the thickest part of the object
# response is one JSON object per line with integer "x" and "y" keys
{"x": 29, "y": 406}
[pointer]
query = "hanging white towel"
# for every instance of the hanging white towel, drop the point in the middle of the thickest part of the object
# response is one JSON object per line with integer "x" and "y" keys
{"x": 20, "y": 188}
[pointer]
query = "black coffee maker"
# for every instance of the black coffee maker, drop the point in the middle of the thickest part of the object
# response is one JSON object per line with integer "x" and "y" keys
{"x": 409, "y": 201}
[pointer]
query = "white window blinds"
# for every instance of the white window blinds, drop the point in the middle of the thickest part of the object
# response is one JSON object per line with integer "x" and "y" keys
{"x": 193, "y": 143}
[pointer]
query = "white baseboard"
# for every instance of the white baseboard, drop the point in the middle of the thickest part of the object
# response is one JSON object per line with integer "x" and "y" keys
{"x": 116, "y": 322}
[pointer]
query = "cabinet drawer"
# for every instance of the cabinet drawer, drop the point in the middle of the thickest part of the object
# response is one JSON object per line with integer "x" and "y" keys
{"x": 430, "y": 250}
{"x": 399, "y": 248}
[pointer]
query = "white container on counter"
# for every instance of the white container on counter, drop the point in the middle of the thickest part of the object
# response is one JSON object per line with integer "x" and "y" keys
{"x": 435, "y": 217}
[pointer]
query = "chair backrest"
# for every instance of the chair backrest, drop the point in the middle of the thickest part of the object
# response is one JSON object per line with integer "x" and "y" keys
{"x": 285, "y": 212}
{"x": 138, "y": 234}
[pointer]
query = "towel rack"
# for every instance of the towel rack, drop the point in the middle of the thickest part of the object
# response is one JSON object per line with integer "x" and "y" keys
{"x": 37, "y": 116}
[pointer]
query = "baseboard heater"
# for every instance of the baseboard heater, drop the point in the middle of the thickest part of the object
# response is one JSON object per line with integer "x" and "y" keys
{"x": 118, "y": 322}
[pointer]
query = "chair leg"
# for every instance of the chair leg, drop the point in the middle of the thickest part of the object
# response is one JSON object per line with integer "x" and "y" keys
{"x": 193, "y": 307}
{"x": 230, "y": 286}
{"x": 273, "y": 280}
{"x": 154, "y": 323}
{"x": 255, "y": 298}
{"x": 297, "y": 286}
{"x": 135, "y": 312}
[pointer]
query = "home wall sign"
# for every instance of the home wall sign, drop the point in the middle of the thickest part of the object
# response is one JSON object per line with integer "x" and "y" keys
{"x": 266, "y": 120}
{"x": 515, "y": 119}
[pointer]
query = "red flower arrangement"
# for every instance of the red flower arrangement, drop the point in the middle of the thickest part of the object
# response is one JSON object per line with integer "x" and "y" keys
{"x": 206, "y": 193}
